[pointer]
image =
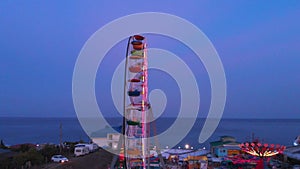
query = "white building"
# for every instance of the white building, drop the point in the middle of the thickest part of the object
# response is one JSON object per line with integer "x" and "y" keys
{"x": 107, "y": 137}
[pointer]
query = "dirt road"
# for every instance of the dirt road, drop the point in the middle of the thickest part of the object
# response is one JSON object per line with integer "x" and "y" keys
{"x": 97, "y": 160}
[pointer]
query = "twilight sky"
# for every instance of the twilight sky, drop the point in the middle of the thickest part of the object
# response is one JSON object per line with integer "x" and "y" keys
{"x": 258, "y": 43}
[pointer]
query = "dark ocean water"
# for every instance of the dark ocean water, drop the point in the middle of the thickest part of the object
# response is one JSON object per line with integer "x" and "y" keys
{"x": 46, "y": 130}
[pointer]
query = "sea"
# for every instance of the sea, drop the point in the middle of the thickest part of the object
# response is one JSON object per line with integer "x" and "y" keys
{"x": 17, "y": 130}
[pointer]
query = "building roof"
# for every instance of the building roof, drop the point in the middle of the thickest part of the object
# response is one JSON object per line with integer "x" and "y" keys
{"x": 227, "y": 138}
{"x": 231, "y": 137}
{"x": 224, "y": 140}
{"x": 183, "y": 153}
{"x": 221, "y": 143}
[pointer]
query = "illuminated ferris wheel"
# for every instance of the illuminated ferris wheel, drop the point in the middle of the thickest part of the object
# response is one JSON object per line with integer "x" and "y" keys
{"x": 136, "y": 107}
{"x": 137, "y": 113}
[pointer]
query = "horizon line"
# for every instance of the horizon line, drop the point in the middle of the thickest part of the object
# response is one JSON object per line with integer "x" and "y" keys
{"x": 226, "y": 118}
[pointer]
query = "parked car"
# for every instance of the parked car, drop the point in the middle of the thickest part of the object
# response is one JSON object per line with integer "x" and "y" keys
{"x": 59, "y": 158}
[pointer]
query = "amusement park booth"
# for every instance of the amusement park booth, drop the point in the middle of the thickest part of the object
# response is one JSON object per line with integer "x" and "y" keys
{"x": 225, "y": 147}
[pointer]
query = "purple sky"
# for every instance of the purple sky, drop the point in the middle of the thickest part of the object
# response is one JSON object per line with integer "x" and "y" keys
{"x": 258, "y": 43}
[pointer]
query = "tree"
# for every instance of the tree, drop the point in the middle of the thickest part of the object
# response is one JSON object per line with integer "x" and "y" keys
{"x": 48, "y": 151}
{"x": 2, "y": 145}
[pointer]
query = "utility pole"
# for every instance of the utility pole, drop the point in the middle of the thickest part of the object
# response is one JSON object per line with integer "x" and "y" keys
{"x": 60, "y": 137}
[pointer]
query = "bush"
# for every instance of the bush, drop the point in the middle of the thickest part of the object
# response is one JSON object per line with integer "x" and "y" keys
{"x": 19, "y": 160}
{"x": 6, "y": 163}
{"x": 33, "y": 157}
{"x": 21, "y": 148}
{"x": 48, "y": 151}
{"x": 29, "y": 156}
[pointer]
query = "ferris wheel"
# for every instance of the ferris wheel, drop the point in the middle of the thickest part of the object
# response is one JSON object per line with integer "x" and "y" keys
{"x": 136, "y": 107}
{"x": 137, "y": 113}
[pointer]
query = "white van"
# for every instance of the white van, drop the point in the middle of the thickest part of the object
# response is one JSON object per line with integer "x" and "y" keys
{"x": 91, "y": 147}
{"x": 81, "y": 151}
